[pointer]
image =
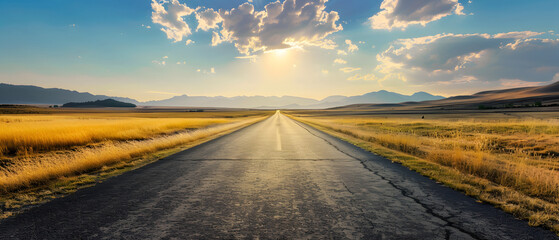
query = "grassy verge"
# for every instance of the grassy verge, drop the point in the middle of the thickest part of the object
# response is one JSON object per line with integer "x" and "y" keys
{"x": 38, "y": 178}
{"x": 27, "y": 134}
{"x": 519, "y": 182}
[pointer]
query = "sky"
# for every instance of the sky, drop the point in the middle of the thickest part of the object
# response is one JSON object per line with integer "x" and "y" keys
{"x": 151, "y": 50}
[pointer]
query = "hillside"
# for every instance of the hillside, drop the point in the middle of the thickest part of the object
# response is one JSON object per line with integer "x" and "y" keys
{"x": 100, "y": 104}
{"x": 24, "y": 94}
{"x": 497, "y": 99}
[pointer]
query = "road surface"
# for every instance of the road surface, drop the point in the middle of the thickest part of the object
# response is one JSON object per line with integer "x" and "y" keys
{"x": 277, "y": 179}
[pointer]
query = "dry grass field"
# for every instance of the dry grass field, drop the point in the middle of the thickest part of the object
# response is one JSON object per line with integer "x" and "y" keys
{"x": 509, "y": 160}
{"x": 38, "y": 148}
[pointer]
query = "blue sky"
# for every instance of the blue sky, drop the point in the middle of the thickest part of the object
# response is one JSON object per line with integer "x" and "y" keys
{"x": 445, "y": 47}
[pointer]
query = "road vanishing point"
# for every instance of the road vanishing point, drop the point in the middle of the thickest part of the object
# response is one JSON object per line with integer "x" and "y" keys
{"x": 276, "y": 179}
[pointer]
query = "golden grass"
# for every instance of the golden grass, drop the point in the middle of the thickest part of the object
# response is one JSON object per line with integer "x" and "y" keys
{"x": 28, "y": 134}
{"x": 514, "y": 160}
{"x": 41, "y": 148}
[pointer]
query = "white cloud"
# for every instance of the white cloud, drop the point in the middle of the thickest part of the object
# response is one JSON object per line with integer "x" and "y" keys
{"x": 171, "y": 18}
{"x": 365, "y": 77}
{"x": 342, "y": 52}
{"x": 208, "y": 19}
{"x": 469, "y": 58}
{"x": 280, "y": 25}
{"x": 402, "y": 13}
{"x": 188, "y": 42}
{"x": 212, "y": 70}
{"x": 340, "y": 61}
{"x": 519, "y": 35}
{"x": 165, "y": 57}
{"x": 349, "y": 69}
{"x": 350, "y": 46}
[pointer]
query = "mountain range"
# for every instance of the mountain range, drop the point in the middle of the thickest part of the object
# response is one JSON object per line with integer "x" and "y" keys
{"x": 24, "y": 94}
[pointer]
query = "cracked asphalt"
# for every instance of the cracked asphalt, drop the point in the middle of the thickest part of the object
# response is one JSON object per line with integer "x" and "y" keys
{"x": 277, "y": 179}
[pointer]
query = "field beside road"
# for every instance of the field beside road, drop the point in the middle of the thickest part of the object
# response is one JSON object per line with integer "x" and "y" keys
{"x": 508, "y": 159}
{"x": 50, "y": 153}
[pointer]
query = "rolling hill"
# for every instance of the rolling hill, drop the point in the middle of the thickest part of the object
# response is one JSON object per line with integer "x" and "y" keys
{"x": 24, "y": 94}
{"x": 99, "y": 104}
{"x": 496, "y": 99}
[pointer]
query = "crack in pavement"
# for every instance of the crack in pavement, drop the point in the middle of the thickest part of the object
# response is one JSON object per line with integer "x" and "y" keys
{"x": 404, "y": 193}
{"x": 346, "y": 188}
{"x": 360, "y": 209}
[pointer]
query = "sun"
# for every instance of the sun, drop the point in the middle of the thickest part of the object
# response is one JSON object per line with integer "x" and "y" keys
{"x": 279, "y": 53}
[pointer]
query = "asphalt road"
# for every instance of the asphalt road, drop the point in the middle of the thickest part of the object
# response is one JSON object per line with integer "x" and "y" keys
{"x": 277, "y": 179}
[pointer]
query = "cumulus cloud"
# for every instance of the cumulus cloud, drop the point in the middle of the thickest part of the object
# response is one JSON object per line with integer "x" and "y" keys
{"x": 340, "y": 61}
{"x": 208, "y": 19}
{"x": 170, "y": 16}
{"x": 506, "y": 59}
{"x": 402, "y": 13}
{"x": 350, "y": 46}
{"x": 280, "y": 25}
